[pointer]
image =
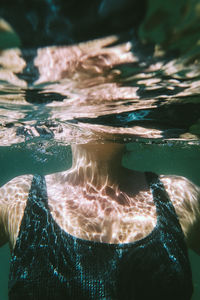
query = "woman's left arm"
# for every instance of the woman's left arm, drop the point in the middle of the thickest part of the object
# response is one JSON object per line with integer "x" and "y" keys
{"x": 185, "y": 196}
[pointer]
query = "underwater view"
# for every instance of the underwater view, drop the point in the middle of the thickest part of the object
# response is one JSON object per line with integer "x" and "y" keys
{"x": 101, "y": 89}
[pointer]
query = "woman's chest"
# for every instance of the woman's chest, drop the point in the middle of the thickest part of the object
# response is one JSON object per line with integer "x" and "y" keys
{"x": 103, "y": 218}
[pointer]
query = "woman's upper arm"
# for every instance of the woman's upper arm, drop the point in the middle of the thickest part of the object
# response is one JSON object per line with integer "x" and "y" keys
{"x": 194, "y": 234}
{"x": 3, "y": 235}
{"x": 185, "y": 196}
{"x": 13, "y": 197}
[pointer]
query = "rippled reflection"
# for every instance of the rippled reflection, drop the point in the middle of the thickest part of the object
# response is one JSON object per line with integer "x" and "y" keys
{"x": 100, "y": 85}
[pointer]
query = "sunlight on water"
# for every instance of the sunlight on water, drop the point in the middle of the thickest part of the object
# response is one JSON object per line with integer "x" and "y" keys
{"x": 98, "y": 83}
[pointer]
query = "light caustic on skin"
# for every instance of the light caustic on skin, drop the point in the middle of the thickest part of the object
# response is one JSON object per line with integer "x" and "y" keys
{"x": 100, "y": 206}
{"x": 96, "y": 206}
{"x": 99, "y": 200}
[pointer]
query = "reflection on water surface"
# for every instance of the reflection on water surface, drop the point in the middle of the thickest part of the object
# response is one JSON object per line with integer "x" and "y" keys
{"x": 101, "y": 82}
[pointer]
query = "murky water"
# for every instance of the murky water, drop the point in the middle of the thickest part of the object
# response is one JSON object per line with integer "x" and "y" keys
{"x": 114, "y": 87}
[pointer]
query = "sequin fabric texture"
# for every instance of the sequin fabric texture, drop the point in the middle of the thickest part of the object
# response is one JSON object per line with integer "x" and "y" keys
{"x": 48, "y": 263}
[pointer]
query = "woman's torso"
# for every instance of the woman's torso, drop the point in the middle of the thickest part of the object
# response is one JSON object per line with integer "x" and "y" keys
{"x": 150, "y": 261}
{"x": 92, "y": 215}
{"x": 103, "y": 215}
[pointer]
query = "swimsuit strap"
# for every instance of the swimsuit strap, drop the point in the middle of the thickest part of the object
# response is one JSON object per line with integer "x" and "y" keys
{"x": 166, "y": 215}
{"x": 38, "y": 194}
{"x": 48, "y": 263}
{"x": 36, "y": 213}
{"x": 37, "y": 204}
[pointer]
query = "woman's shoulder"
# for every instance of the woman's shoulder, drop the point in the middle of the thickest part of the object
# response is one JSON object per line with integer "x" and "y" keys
{"x": 14, "y": 194}
{"x": 185, "y": 196}
{"x": 13, "y": 199}
{"x": 181, "y": 190}
{"x": 181, "y": 183}
{"x": 18, "y": 186}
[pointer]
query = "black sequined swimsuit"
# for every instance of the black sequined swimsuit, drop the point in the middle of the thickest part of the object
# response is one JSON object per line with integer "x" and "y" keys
{"x": 48, "y": 263}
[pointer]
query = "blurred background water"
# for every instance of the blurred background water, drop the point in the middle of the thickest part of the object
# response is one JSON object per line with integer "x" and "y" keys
{"x": 72, "y": 70}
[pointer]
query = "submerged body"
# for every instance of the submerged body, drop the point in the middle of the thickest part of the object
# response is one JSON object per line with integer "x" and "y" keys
{"x": 100, "y": 206}
{"x": 49, "y": 263}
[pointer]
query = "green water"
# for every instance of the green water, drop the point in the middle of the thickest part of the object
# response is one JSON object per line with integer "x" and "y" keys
{"x": 163, "y": 159}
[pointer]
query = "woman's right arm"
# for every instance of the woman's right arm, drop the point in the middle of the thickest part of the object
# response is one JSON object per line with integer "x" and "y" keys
{"x": 3, "y": 235}
{"x": 13, "y": 198}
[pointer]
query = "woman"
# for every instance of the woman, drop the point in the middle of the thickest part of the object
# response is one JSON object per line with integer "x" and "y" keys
{"x": 100, "y": 231}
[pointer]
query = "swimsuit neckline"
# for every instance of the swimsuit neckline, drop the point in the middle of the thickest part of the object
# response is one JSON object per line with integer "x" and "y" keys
{"x": 91, "y": 243}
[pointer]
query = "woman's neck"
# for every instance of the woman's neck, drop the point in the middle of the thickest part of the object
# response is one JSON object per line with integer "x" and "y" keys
{"x": 96, "y": 164}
